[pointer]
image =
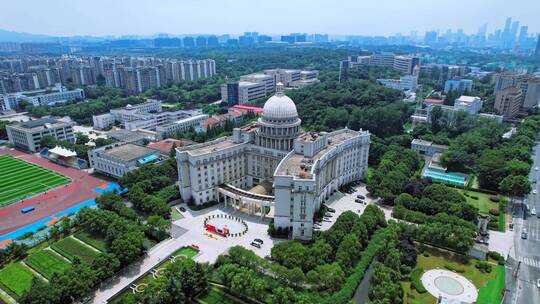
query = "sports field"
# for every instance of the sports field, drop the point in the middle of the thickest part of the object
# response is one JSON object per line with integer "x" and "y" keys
{"x": 20, "y": 179}
{"x": 47, "y": 263}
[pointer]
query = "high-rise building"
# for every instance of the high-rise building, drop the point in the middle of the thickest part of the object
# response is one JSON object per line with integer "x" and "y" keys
{"x": 212, "y": 42}
{"x": 537, "y": 51}
{"x": 430, "y": 37}
{"x": 530, "y": 86}
{"x": 508, "y": 102}
{"x": 523, "y": 35}
{"x": 201, "y": 42}
{"x": 188, "y": 42}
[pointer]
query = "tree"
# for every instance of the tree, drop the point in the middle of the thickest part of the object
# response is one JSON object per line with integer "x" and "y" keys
{"x": 328, "y": 276}
{"x": 436, "y": 115}
{"x": 491, "y": 169}
{"x": 40, "y": 293}
{"x": 105, "y": 265}
{"x": 515, "y": 185}
{"x": 348, "y": 251}
{"x": 283, "y": 295}
{"x": 159, "y": 227}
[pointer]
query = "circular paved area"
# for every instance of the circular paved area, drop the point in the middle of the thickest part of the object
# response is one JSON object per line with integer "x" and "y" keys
{"x": 450, "y": 285}
{"x": 234, "y": 225}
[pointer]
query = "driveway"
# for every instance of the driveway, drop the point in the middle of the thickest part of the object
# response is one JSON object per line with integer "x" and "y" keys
{"x": 342, "y": 202}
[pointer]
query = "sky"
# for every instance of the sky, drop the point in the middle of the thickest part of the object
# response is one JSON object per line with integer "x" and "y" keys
{"x": 334, "y": 17}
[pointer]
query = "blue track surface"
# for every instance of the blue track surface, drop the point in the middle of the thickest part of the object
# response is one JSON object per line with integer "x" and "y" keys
{"x": 34, "y": 227}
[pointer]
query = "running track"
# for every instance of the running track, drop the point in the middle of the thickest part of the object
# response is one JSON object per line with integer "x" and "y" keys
{"x": 80, "y": 189}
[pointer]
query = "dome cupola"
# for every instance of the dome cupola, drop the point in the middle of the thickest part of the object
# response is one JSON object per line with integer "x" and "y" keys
{"x": 279, "y": 106}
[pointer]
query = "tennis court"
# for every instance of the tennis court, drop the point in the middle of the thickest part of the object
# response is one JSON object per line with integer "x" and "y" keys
{"x": 20, "y": 179}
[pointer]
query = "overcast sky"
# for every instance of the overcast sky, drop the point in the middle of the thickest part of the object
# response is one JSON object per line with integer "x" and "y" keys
{"x": 373, "y": 17}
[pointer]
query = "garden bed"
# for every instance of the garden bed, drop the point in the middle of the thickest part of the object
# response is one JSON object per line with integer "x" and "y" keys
{"x": 71, "y": 248}
{"x": 94, "y": 240}
{"x": 16, "y": 279}
{"x": 47, "y": 263}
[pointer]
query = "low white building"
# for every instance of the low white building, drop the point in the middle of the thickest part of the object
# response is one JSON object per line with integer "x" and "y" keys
{"x": 404, "y": 83}
{"x": 120, "y": 158}
{"x": 147, "y": 115}
{"x": 182, "y": 125}
{"x": 47, "y": 98}
{"x": 28, "y": 135}
{"x": 469, "y": 104}
{"x": 428, "y": 148}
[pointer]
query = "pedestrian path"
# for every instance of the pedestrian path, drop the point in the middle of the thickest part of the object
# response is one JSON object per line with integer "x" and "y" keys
{"x": 532, "y": 262}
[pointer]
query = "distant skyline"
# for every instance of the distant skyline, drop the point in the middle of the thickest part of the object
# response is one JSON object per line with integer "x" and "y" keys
{"x": 336, "y": 17}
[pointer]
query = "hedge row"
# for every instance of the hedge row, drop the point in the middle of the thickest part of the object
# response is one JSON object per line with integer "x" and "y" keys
{"x": 345, "y": 294}
{"x": 416, "y": 280}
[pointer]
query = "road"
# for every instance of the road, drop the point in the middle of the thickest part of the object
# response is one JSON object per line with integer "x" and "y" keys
{"x": 522, "y": 287}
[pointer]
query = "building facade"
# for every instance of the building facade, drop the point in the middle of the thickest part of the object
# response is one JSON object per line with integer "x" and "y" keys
{"x": 529, "y": 85}
{"x": 28, "y": 135}
{"x": 45, "y": 98}
{"x": 304, "y": 169}
{"x": 460, "y": 86}
{"x": 508, "y": 102}
{"x": 120, "y": 158}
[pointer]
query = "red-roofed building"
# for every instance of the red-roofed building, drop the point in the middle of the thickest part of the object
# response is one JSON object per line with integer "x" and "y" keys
{"x": 256, "y": 110}
{"x": 165, "y": 146}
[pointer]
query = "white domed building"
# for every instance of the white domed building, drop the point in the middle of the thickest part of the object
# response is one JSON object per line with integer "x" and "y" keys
{"x": 272, "y": 169}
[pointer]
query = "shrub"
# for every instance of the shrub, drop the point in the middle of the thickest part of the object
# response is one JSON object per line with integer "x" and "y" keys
{"x": 494, "y": 198}
{"x": 426, "y": 254}
{"x": 493, "y": 225}
{"x": 483, "y": 266}
{"x": 494, "y": 255}
{"x": 494, "y": 211}
{"x": 416, "y": 281}
{"x": 454, "y": 269}
{"x": 474, "y": 197}
{"x": 501, "y": 261}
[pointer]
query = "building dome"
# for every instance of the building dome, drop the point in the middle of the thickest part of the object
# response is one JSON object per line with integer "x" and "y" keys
{"x": 279, "y": 106}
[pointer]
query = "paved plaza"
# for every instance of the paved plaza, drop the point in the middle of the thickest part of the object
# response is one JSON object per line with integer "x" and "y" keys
{"x": 211, "y": 244}
{"x": 449, "y": 285}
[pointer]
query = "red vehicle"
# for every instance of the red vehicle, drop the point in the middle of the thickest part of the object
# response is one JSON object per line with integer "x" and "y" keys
{"x": 223, "y": 231}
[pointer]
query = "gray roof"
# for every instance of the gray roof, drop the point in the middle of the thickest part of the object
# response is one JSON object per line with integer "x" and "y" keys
{"x": 38, "y": 122}
{"x": 129, "y": 152}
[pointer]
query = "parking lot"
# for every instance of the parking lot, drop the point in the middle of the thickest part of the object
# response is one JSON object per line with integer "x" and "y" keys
{"x": 211, "y": 244}
{"x": 341, "y": 202}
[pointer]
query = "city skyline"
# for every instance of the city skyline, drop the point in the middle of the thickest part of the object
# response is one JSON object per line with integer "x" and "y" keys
{"x": 235, "y": 17}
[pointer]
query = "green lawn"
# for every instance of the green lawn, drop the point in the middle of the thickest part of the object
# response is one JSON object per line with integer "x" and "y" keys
{"x": 47, "y": 263}
{"x": 175, "y": 215}
{"x": 71, "y": 248}
{"x": 215, "y": 295}
{"x": 94, "y": 240}
{"x": 483, "y": 203}
{"x": 15, "y": 279}
{"x": 439, "y": 259}
{"x": 20, "y": 179}
{"x": 187, "y": 251}
{"x": 492, "y": 292}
